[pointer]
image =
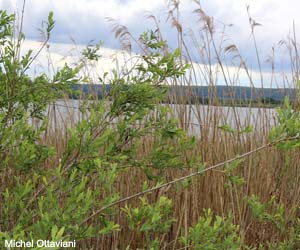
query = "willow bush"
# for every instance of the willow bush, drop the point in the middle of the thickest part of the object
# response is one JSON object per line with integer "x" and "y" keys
{"x": 71, "y": 196}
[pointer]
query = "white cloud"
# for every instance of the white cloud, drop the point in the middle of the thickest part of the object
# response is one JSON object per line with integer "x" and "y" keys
{"x": 87, "y": 16}
{"x": 275, "y": 15}
{"x": 85, "y": 20}
{"x": 59, "y": 54}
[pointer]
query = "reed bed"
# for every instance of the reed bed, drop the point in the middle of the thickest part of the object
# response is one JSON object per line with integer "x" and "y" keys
{"x": 267, "y": 173}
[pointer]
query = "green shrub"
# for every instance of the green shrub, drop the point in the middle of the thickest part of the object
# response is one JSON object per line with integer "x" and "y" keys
{"x": 59, "y": 202}
{"x": 212, "y": 233}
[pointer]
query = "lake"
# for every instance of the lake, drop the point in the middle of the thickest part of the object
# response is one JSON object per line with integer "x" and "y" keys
{"x": 191, "y": 117}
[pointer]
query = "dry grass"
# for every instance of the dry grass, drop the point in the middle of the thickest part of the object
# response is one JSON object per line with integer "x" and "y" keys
{"x": 267, "y": 173}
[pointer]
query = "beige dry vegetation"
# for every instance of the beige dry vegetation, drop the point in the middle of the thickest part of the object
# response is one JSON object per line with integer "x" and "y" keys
{"x": 267, "y": 173}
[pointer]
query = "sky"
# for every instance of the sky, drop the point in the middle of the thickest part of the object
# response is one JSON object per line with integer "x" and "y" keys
{"x": 82, "y": 21}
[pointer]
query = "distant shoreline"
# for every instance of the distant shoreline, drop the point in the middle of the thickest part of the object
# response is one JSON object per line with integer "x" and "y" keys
{"x": 238, "y": 96}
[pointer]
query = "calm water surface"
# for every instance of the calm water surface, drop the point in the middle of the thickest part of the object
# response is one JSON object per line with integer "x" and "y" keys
{"x": 191, "y": 117}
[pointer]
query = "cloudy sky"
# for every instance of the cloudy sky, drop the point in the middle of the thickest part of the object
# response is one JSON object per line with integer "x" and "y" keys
{"x": 81, "y": 21}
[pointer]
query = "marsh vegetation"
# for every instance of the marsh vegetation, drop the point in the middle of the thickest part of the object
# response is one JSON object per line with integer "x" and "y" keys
{"x": 128, "y": 172}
